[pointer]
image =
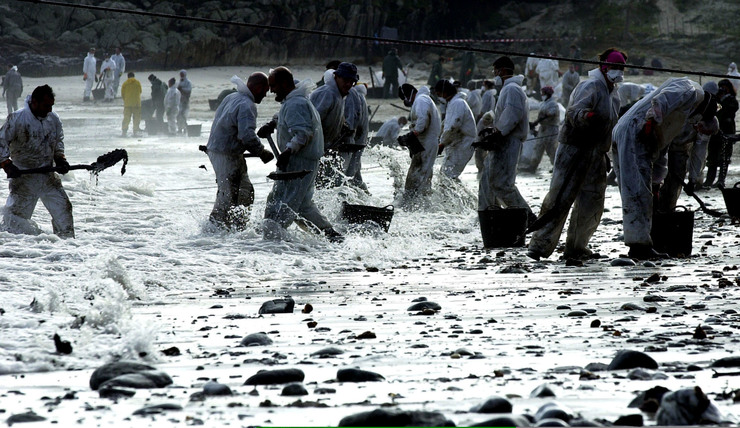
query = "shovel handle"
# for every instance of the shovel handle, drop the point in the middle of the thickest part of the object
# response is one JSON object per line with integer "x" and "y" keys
{"x": 274, "y": 148}
{"x": 204, "y": 149}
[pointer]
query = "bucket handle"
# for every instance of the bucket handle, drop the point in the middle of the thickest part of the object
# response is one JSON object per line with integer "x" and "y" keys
{"x": 736, "y": 184}
{"x": 388, "y": 207}
{"x": 681, "y": 206}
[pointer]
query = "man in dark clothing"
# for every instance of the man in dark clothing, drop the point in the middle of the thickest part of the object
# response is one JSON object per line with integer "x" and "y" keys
{"x": 159, "y": 89}
{"x": 391, "y": 65}
{"x": 720, "y": 150}
{"x": 466, "y": 68}
{"x": 437, "y": 72}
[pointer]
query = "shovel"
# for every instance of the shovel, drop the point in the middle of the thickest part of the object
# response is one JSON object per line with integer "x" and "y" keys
{"x": 103, "y": 162}
{"x": 711, "y": 212}
{"x": 280, "y": 175}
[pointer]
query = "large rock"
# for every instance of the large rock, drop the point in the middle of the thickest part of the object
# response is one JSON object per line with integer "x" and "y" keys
{"x": 278, "y": 306}
{"x": 628, "y": 359}
{"x": 553, "y": 410}
{"x": 396, "y": 418}
{"x": 505, "y": 421}
{"x": 141, "y": 380}
{"x": 687, "y": 407}
{"x": 276, "y": 377}
{"x": 256, "y": 339}
{"x": 357, "y": 375}
{"x": 727, "y": 362}
{"x": 112, "y": 370}
{"x": 493, "y": 405}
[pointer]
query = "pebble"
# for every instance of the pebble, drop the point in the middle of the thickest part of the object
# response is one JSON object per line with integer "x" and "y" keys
{"x": 111, "y": 370}
{"x": 596, "y": 367}
{"x": 629, "y": 359}
{"x": 158, "y": 409}
{"x": 634, "y": 420}
{"x": 651, "y": 298}
{"x": 142, "y": 380}
{"x": 687, "y": 407}
{"x": 577, "y": 313}
{"x": 420, "y": 306}
{"x": 173, "y": 351}
{"x": 331, "y": 351}
{"x": 366, "y": 335}
{"x": 114, "y": 392}
{"x": 29, "y": 416}
{"x": 397, "y": 417}
{"x": 324, "y": 391}
{"x": 278, "y": 306}
{"x": 631, "y": 307}
{"x": 622, "y": 262}
{"x": 563, "y": 308}
{"x": 214, "y": 389}
{"x": 256, "y": 339}
{"x": 544, "y": 390}
{"x": 294, "y": 389}
{"x": 357, "y": 375}
{"x": 276, "y": 377}
{"x": 551, "y": 422}
{"x": 493, "y": 405}
{"x": 727, "y": 362}
{"x": 650, "y": 397}
{"x": 648, "y": 264}
{"x": 505, "y": 421}
{"x": 595, "y": 324}
{"x": 553, "y": 410}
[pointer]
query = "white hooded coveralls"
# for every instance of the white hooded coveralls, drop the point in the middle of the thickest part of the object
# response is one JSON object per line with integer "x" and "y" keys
{"x": 107, "y": 73}
{"x": 670, "y": 106}
{"x": 425, "y": 120}
{"x": 579, "y": 171}
{"x": 89, "y": 72}
{"x": 458, "y": 136}
{"x": 547, "y": 137}
{"x": 497, "y": 185}
{"x": 172, "y": 108}
{"x": 186, "y": 89}
{"x": 34, "y": 142}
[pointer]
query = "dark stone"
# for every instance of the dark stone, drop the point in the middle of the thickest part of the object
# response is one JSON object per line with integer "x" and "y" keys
{"x": 420, "y": 306}
{"x": 111, "y": 370}
{"x": 171, "y": 352}
{"x": 29, "y": 416}
{"x": 727, "y": 362}
{"x": 631, "y": 307}
{"x": 543, "y": 390}
{"x": 595, "y": 324}
{"x": 628, "y": 359}
{"x": 324, "y": 391}
{"x": 630, "y": 421}
{"x": 577, "y": 313}
{"x": 327, "y": 352}
{"x": 493, "y": 405}
{"x": 563, "y": 308}
{"x": 256, "y": 339}
{"x": 551, "y": 422}
{"x": 158, "y": 409}
{"x": 596, "y": 367}
{"x": 397, "y": 418}
{"x": 115, "y": 393}
{"x": 622, "y": 262}
{"x": 142, "y": 380}
{"x": 553, "y": 410}
{"x": 278, "y": 306}
{"x": 366, "y": 335}
{"x": 505, "y": 421}
{"x": 687, "y": 407}
{"x": 62, "y": 346}
{"x": 294, "y": 389}
{"x": 276, "y": 377}
{"x": 213, "y": 389}
{"x": 655, "y": 394}
{"x": 579, "y": 422}
{"x": 357, "y": 375}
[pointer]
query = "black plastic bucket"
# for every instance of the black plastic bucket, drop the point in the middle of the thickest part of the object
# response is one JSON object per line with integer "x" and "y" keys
{"x": 732, "y": 200}
{"x": 194, "y": 130}
{"x": 359, "y": 214}
{"x": 503, "y": 227}
{"x": 673, "y": 232}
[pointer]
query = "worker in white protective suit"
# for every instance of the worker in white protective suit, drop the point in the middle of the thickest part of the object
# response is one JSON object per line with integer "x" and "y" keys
{"x": 579, "y": 173}
{"x": 358, "y": 120}
{"x": 233, "y": 132}
{"x": 546, "y": 140}
{"x": 548, "y": 72}
{"x": 488, "y": 98}
{"x": 89, "y": 74}
{"x": 391, "y": 129}
{"x": 641, "y": 135}
{"x": 571, "y": 78}
{"x": 679, "y": 159}
{"x": 732, "y": 71}
{"x": 629, "y": 93}
{"x": 186, "y": 89}
{"x": 425, "y": 128}
{"x": 172, "y": 106}
{"x": 699, "y": 146}
{"x": 32, "y": 137}
{"x": 486, "y": 121}
{"x": 530, "y": 71}
{"x": 475, "y": 101}
{"x": 458, "y": 132}
{"x": 120, "y": 69}
{"x": 107, "y": 73}
{"x": 497, "y": 187}
{"x": 301, "y": 144}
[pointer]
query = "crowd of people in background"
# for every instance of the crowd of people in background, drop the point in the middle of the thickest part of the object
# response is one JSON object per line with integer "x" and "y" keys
{"x": 650, "y": 137}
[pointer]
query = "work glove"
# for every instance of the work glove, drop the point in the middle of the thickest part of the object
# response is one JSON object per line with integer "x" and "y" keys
{"x": 488, "y": 139}
{"x": 62, "y": 164}
{"x": 84, "y": 76}
{"x": 283, "y": 159}
{"x": 266, "y": 156}
{"x": 10, "y": 169}
{"x": 532, "y": 125}
{"x": 411, "y": 141}
{"x": 267, "y": 129}
{"x": 440, "y": 149}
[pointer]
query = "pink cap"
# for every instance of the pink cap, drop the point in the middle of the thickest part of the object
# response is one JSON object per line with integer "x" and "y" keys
{"x": 615, "y": 57}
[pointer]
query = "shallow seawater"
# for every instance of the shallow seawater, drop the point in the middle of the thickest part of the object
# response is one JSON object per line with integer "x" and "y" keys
{"x": 147, "y": 272}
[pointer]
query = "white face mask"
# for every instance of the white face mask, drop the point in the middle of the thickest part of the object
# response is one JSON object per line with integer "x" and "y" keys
{"x": 498, "y": 81}
{"x": 615, "y": 76}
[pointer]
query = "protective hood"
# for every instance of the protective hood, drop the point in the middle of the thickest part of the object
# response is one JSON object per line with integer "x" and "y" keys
{"x": 699, "y": 92}
{"x": 184, "y": 73}
{"x": 361, "y": 89}
{"x": 598, "y": 75}
{"x": 518, "y": 80}
{"x": 241, "y": 87}
{"x": 302, "y": 89}
{"x": 424, "y": 90}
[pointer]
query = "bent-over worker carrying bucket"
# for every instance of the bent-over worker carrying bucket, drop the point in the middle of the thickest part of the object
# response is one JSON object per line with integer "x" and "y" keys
{"x": 359, "y": 214}
{"x": 503, "y": 227}
{"x": 673, "y": 232}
